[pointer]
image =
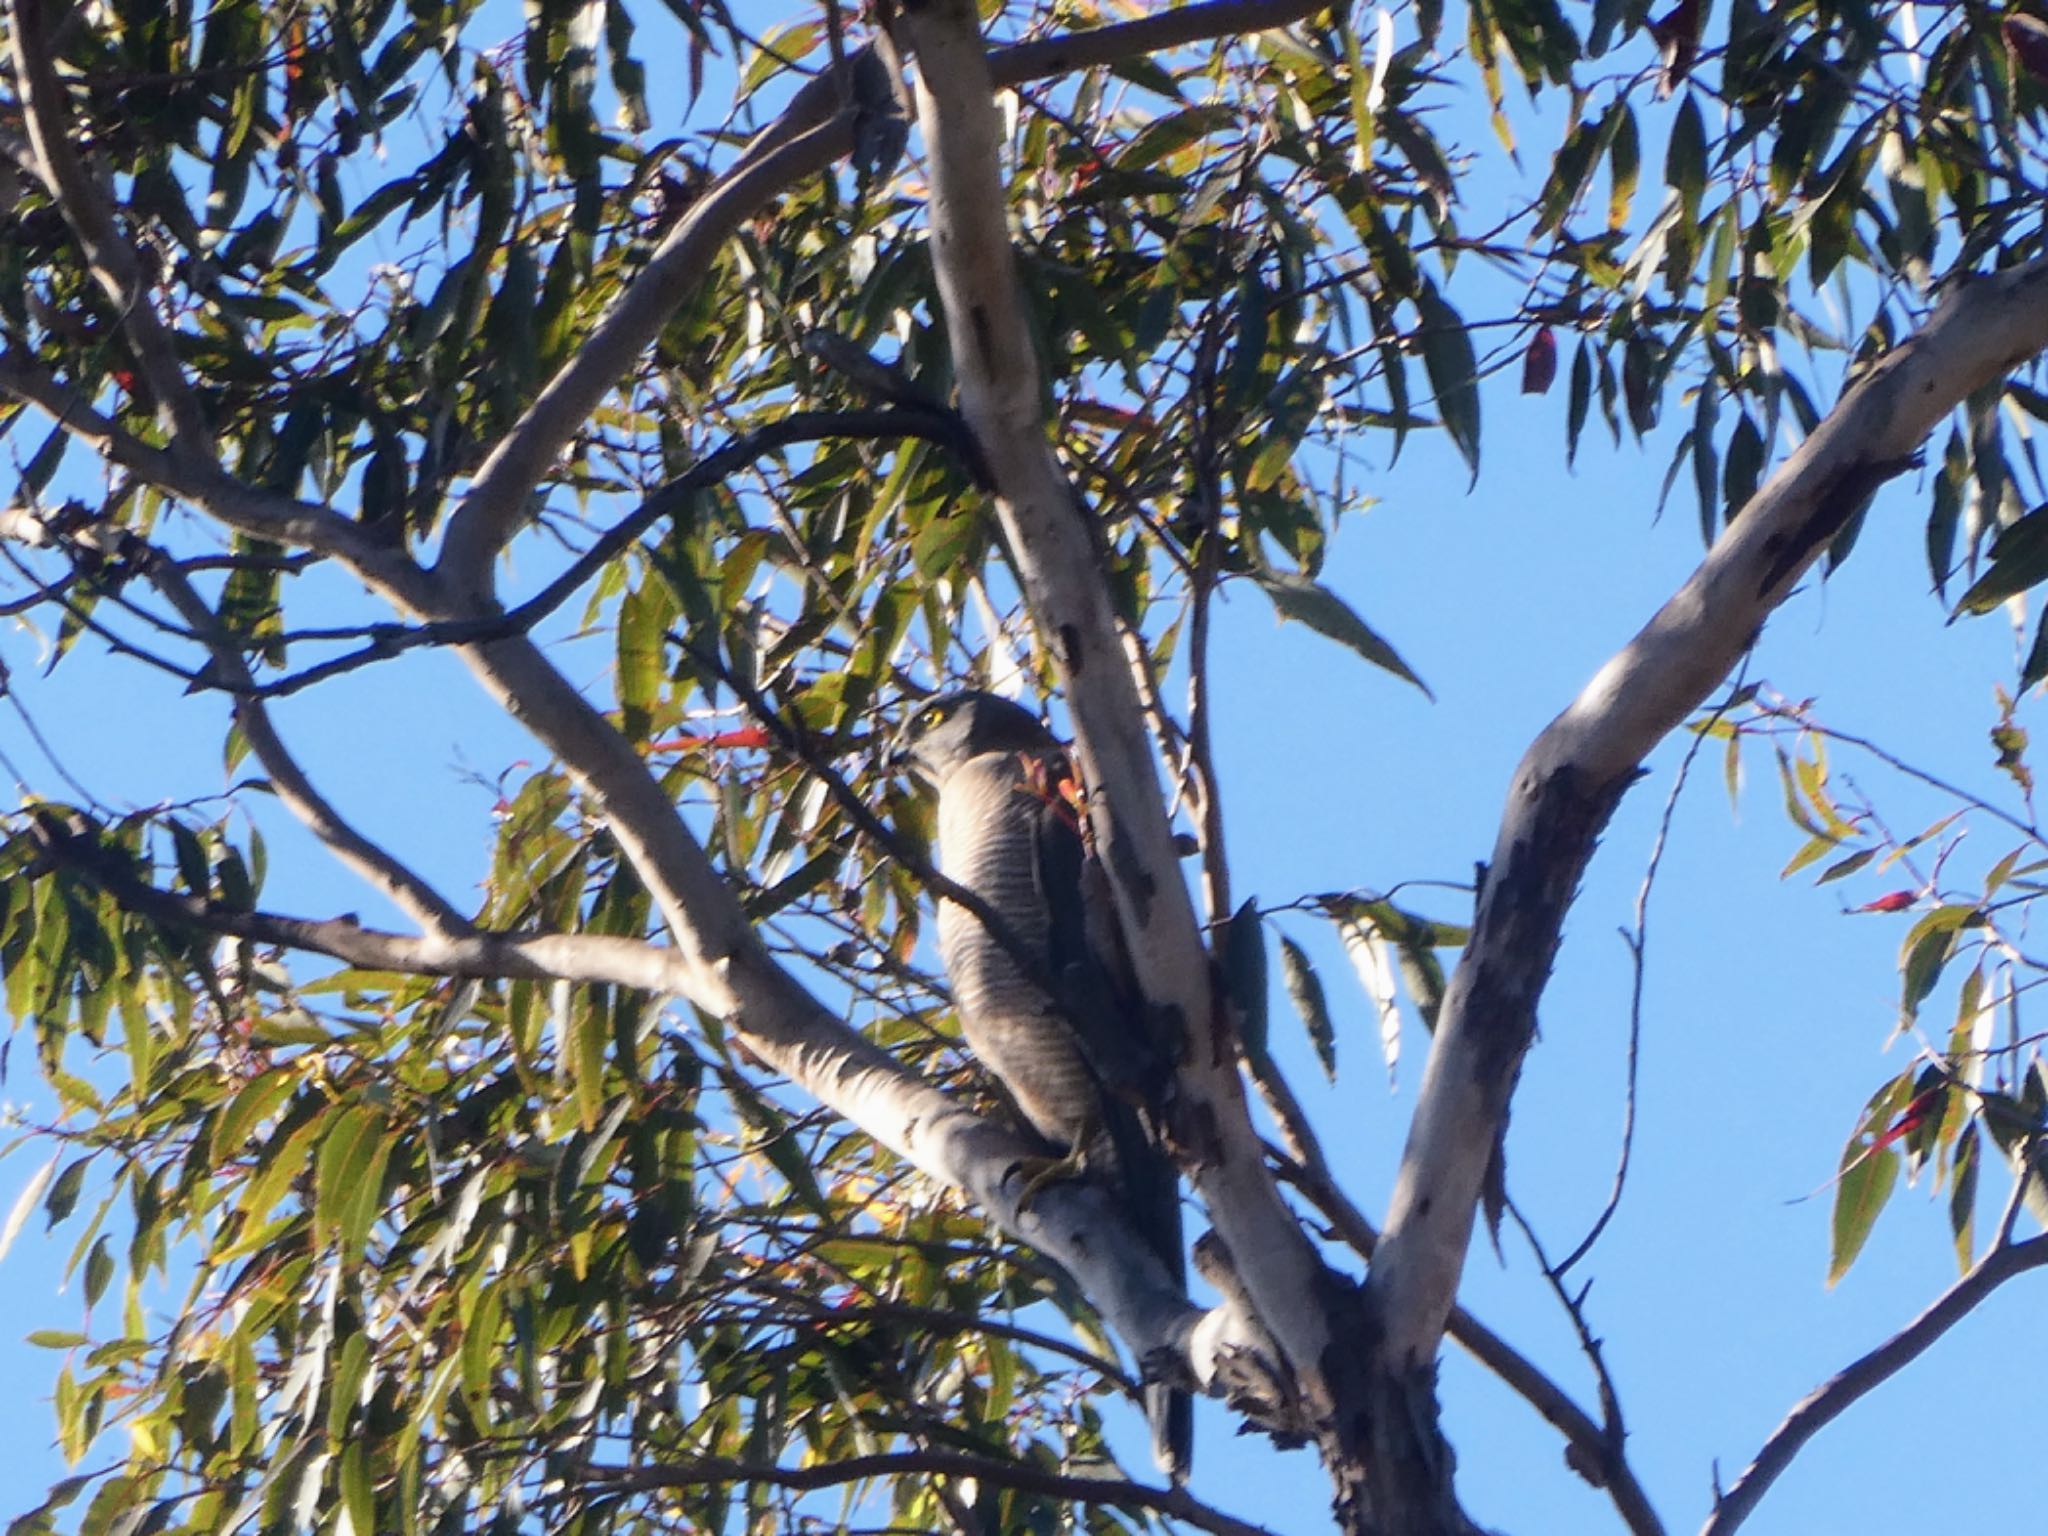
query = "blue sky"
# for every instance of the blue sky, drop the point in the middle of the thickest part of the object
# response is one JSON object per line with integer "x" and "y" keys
{"x": 1766, "y": 1017}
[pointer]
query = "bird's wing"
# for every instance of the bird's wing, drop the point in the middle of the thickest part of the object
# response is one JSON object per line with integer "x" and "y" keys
{"x": 1103, "y": 1008}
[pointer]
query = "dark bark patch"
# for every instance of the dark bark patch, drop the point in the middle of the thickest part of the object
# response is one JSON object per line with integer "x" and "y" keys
{"x": 1071, "y": 650}
{"x": 1836, "y": 505}
{"x": 984, "y": 338}
{"x": 1521, "y": 915}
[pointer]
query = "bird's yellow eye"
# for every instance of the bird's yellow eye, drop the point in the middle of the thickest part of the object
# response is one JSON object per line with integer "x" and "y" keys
{"x": 930, "y": 716}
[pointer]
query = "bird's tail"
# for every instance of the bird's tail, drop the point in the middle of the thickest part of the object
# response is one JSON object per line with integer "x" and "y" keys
{"x": 1171, "y": 1413}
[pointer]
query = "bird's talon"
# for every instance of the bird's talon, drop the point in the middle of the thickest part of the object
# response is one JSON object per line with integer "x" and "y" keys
{"x": 1039, "y": 1172}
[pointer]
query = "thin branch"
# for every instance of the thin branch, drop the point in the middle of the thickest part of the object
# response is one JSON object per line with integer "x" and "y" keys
{"x": 1175, "y": 1503}
{"x": 72, "y": 843}
{"x": 1616, "y": 1428}
{"x": 1175, "y": 27}
{"x": 1827, "y": 1402}
{"x": 1899, "y": 765}
{"x": 35, "y": 732}
{"x": 397, "y": 883}
{"x": 1589, "y": 1450}
{"x": 1638, "y": 943}
{"x": 81, "y": 615}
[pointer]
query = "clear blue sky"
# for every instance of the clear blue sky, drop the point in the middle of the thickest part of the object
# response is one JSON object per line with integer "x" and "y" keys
{"x": 1766, "y": 1016}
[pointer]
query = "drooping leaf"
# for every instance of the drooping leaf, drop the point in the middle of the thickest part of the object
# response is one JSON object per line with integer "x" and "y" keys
{"x": 1300, "y": 598}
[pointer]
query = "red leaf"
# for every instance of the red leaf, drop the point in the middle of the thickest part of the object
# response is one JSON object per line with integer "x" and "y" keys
{"x": 1677, "y": 35}
{"x": 1539, "y": 363}
{"x": 1909, "y": 1122}
{"x": 2027, "y": 38}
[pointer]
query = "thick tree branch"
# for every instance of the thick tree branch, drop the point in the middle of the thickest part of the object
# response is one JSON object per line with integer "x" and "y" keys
{"x": 86, "y": 208}
{"x": 1827, "y": 1402}
{"x": 382, "y": 870}
{"x": 1042, "y": 522}
{"x": 1175, "y": 1503}
{"x": 499, "y": 500}
{"x": 1578, "y": 768}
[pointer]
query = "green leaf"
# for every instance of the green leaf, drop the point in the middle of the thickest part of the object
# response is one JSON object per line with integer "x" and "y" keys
{"x": 2019, "y": 560}
{"x": 1843, "y": 868}
{"x": 251, "y": 1105}
{"x": 1305, "y": 990}
{"x": 1962, "y": 1195}
{"x": 63, "y": 1196}
{"x": 1927, "y": 948}
{"x": 1453, "y": 370}
{"x": 1297, "y": 597}
{"x": 344, "y": 1151}
{"x": 365, "y": 1203}
{"x": 1742, "y": 466}
{"x": 51, "y": 1338}
{"x": 1866, "y": 1183}
{"x": 357, "y": 1497}
{"x": 1685, "y": 158}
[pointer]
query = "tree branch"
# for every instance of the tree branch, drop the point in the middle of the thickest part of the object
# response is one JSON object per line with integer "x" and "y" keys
{"x": 205, "y": 485}
{"x": 1175, "y": 1503}
{"x": 1578, "y": 768}
{"x": 382, "y": 870}
{"x": 1175, "y": 27}
{"x": 815, "y": 129}
{"x": 997, "y": 369}
{"x": 721, "y": 965}
{"x": 1827, "y": 1402}
{"x": 110, "y": 258}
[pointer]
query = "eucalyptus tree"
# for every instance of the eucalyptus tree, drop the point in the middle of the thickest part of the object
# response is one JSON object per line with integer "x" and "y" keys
{"x": 926, "y": 348}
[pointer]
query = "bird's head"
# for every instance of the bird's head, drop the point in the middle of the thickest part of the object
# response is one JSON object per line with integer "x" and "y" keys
{"x": 950, "y": 729}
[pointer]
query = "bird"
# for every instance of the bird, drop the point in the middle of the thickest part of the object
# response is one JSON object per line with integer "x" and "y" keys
{"x": 1047, "y": 1004}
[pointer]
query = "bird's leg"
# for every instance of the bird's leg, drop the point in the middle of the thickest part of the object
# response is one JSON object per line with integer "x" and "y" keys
{"x": 1040, "y": 1172}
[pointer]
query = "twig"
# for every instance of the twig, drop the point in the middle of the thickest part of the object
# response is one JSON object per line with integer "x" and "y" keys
{"x": 1591, "y": 1452}
{"x": 1575, "y": 1308}
{"x": 1826, "y": 1402}
{"x": 1637, "y": 942}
